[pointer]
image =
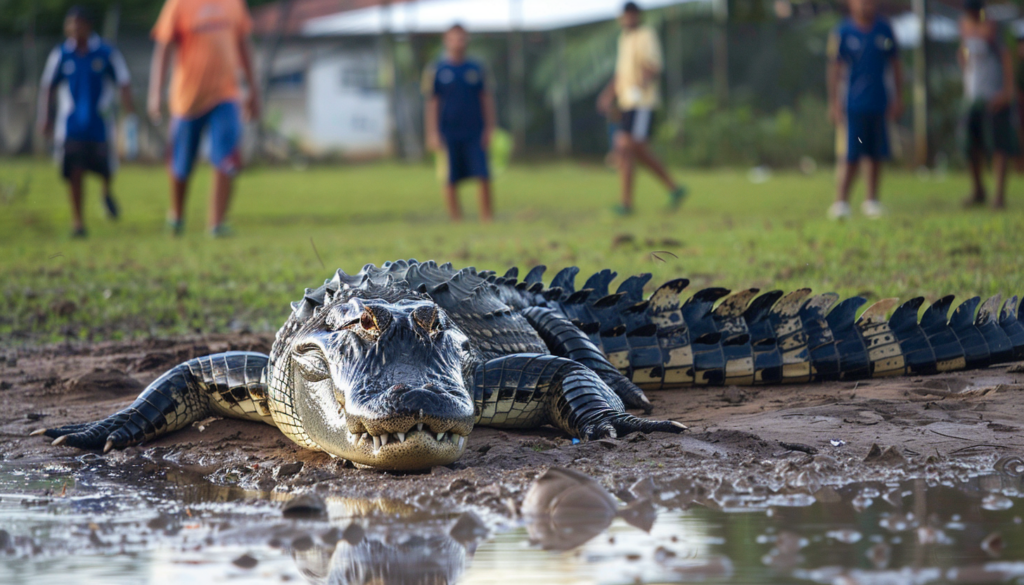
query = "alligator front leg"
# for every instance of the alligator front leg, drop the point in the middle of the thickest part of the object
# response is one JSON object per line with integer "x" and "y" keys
{"x": 228, "y": 384}
{"x": 529, "y": 390}
{"x": 567, "y": 340}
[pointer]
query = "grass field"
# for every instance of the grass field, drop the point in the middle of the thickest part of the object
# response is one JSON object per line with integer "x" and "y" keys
{"x": 132, "y": 279}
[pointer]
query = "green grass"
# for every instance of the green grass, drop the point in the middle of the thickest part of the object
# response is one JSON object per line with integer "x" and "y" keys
{"x": 131, "y": 279}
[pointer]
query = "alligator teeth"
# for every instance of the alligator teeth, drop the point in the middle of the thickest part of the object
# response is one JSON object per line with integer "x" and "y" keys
{"x": 366, "y": 437}
{"x": 376, "y": 442}
{"x": 419, "y": 426}
{"x": 440, "y": 437}
{"x": 401, "y": 437}
{"x": 462, "y": 441}
{"x": 384, "y": 439}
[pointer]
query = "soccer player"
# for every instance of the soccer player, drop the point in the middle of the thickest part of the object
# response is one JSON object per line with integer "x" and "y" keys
{"x": 460, "y": 118}
{"x": 212, "y": 42}
{"x": 82, "y": 72}
{"x": 865, "y": 46}
{"x": 988, "y": 124}
{"x": 635, "y": 90}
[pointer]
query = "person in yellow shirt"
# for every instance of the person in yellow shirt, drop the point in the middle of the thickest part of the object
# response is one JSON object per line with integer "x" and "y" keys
{"x": 211, "y": 38}
{"x": 634, "y": 88}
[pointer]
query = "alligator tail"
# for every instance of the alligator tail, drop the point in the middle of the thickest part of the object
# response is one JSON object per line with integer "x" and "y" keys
{"x": 718, "y": 337}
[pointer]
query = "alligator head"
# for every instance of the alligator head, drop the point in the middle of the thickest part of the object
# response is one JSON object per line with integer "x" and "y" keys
{"x": 379, "y": 381}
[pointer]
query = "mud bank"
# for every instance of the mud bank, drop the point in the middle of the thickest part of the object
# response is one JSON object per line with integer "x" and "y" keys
{"x": 744, "y": 444}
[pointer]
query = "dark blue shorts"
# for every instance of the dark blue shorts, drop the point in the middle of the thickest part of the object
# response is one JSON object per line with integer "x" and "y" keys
{"x": 867, "y": 135}
{"x": 86, "y": 156}
{"x": 466, "y": 158}
{"x": 225, "y": 124}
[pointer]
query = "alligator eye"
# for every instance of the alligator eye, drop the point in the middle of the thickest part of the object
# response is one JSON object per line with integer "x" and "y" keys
{"x": 428, "y": 319}
{"x": 374, "y": 320}
{"x": 311, "y": 363}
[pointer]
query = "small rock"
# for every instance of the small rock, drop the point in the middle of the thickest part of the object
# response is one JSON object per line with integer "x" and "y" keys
{"x": 468, "y": 528}
{"x": 733, "y": 395}
{"x": 302, "y": 543}
{"x": 442, "y": 470}
{"x": 245, "y": 562}
{"x": 6, "y": 542}
{"x": 289, "y": 469}
{"x": 161, "y": 522}
{"x": 353, "y": 534}
{"x": 305, "y": 506}
{"x": 5, "y": 385}
{"x": 889, "y": 455}
{"x": 993, "y": 544}
{"x": 331, "y": 537}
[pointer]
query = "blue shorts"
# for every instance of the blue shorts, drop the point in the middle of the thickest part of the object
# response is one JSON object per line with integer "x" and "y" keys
{"x": 225, "y": 123}
{"x": 466, "y": 158}
{"x": 867, "y": 135}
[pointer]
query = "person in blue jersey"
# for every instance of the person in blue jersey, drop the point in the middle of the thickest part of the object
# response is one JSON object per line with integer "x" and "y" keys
{"x": 460, "y": 119}
{"x": 864, "y": 48}
{"x": 82, "y": 73}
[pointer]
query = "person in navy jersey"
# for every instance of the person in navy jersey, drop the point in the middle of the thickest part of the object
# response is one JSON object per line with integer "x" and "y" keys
{"x": 82, "y": 72}
{"x": 460, "y": 118}
{"x": 864, "y": 45}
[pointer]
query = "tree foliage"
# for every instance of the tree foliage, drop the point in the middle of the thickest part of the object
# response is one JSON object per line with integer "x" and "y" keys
{"x": 46, "y": 16}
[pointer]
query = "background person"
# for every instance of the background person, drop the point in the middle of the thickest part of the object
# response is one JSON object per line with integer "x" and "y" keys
{"x": 460, "y": 118}
{"x": 988, "y": 126}
{"x": 634, "y": 88}
{"x": 863, "y": 45}
{"x": 212, "y": 42}
{"x": 82, "y": 72}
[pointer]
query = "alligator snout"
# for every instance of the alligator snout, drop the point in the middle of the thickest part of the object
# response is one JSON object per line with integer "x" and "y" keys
{"x": 403, "y": 412}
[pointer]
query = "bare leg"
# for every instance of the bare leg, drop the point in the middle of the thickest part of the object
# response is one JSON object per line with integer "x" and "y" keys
{"x": 1000, "y": 164}
{"x": 625, "y": 145}
{"x": 75, "y": 190}
{"x": 975, "y": 162}
{"x": 847, "y": 175}
{"x": 220, "y": 198}
{"x": 873, "y": 172}
{"x": 179, "y": 190}
{"x": 644, "y": 154}
{"x": 451, "y": 197}
{"x": 486, "y": 210}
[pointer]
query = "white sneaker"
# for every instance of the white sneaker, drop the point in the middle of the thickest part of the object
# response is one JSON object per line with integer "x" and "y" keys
{"x": 872, "y": 209}
{"x": 839, "y": 210}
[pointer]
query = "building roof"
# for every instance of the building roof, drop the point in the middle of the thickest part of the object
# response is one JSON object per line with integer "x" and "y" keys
{"x": 267, "y": 18}
{"x": 433, "y": 16}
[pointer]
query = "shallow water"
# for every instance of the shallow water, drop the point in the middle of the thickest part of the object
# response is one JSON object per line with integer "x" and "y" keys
{"x": 84, "y": 522}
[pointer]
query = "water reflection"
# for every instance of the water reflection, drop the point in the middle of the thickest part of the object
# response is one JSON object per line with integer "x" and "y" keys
{"x": 175, "y": 527}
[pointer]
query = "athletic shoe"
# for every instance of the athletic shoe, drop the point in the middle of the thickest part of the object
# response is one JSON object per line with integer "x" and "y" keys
{"x": 676, "y": 196}
{"x": 177, "y": 226}
{"x": 111, "y": 204}
{"x": 221, "y": 231}
{"x": 622, "y": 211}
{"x": 839, "y": 211}
{"x": 872, "y": 209}
{"x": 79, "y": 233}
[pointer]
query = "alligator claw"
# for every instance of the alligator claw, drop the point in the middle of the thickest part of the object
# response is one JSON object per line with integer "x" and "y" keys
{"x": 108, "y": 446}
{"x": 59, "y": 440}
{"x": 37, "y": 432}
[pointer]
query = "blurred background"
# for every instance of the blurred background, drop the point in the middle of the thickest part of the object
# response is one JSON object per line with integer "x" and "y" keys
{"x": 743, "y": 82}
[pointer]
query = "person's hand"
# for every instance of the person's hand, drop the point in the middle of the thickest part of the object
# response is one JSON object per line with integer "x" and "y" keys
{"x": 252, "y": 107}
{"x": 835, "y": 113}
{"x": 46, "y": 128}
{"x": 434, "y": 142}
{"x": 485, "y": 140}
{"x": 895, "y": 109}
{"x": 604, "y": 102}
{"x": 1000, "y": 101}
{"x": 153, "y": 110}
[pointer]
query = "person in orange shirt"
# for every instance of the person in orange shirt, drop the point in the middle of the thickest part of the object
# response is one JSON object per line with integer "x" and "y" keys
{"x": 211, "y": 38}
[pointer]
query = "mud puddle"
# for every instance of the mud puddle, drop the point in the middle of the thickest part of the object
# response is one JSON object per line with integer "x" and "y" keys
{"x": 96, "y": 523}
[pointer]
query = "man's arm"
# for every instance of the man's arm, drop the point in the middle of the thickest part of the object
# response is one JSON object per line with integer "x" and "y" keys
{"x": 245, "y": 53}
{"x": 430, "y": 128}
{"x": 490, "y": 116}
{"x": 606, "y": 97}
{"x": 1006, "y": 95}
{"x": 832, "y": 80}
{"x": 122, "y": 77}
{"x": 157, "y": 72}
{"x": 896, "y": 108}
{"x": 47, "y": 87}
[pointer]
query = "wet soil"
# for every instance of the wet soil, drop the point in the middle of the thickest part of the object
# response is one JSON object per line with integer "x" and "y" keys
{"x": 799, "y": 439}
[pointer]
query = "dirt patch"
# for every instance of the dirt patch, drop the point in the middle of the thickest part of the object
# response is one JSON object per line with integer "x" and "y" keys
{"x": 796, "y": 439}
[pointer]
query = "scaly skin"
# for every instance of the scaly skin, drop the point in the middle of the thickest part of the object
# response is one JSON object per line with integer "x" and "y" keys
{"x": 392, "y": 367}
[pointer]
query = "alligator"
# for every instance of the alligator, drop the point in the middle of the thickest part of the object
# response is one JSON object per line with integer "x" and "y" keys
{"x": 392, "y": 367}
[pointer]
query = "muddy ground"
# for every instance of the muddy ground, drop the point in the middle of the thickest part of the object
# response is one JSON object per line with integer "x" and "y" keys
{"x": 744, "y": 444}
